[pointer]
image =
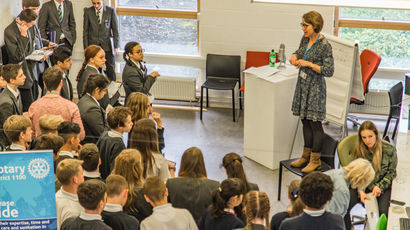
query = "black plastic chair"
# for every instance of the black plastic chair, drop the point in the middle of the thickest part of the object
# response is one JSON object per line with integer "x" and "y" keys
{"x": 395, "y": 96}
{"x": 327, "y": 157}
{"x": 223, "y": 72}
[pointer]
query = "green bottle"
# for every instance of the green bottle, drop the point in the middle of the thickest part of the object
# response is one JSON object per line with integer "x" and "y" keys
{"x": 272, "y": 58}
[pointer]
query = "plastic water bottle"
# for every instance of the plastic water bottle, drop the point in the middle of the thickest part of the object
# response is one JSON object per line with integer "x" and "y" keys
{"x": 272, "y": 58}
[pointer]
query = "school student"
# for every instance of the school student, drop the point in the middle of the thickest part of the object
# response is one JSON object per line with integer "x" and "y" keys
{"x": 221, "y": 215}
{"x": 257, "y": 207}
{"x": 117, "y": 194}
{"x": 111, "y": 142}
{"x": 10, "y": 99}
{"x": 91, "y": 161}
{"x": 164, "y": 216}
{"x": 295, "y": 208}
{"x": 61, "y": 59}
{"x": 316, "y": 190}
{"x": 70, "y": 132}
{"x": 18, "y": 131}
{"x": 92, "y": 196}
{"x": 70, "y": 174}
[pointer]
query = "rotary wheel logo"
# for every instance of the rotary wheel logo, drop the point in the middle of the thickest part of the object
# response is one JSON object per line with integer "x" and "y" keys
{"x": 38, "y": 168}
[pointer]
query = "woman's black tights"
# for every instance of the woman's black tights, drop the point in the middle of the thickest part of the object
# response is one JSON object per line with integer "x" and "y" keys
{"x": 313, "y": 134}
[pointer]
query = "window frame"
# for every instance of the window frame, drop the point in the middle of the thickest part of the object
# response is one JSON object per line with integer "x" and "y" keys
{"x": 367, "y": 24}
{"x": 161, "y": 13}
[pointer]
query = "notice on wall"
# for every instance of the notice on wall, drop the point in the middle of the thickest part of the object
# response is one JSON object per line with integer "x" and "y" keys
{"x": 27, "y": 193}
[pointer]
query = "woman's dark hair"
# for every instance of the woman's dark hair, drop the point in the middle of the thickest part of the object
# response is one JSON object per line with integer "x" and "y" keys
{"x": 316, "y": 189}
{"x": 229, "y": 187}
{"x": 145, "y": 140}
{"x": 95, "y": 81}
{"x": 192, "y": 164}
{"x": 128, "y": 49}
{"x": 89, "y": 52}
{"x": 232, "y": 162}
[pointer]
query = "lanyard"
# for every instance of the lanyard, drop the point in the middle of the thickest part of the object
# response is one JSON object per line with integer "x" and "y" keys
{"x": 307, "y": 52}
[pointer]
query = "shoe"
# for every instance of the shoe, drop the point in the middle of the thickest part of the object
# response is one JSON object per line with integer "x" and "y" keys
{"x": 303, "y": 160}
{"x": 314, "y": 163}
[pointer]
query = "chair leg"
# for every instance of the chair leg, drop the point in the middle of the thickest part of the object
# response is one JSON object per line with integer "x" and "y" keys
{"x": 280, "y": 180}
{"x": 201, "y": 104}
{"x": 395, "y": 129}
{"x": 207, "y": 98}
{"x": 387, "y": 126}
{"x": 233, "y": 104}
{"x": 240, "y": 98}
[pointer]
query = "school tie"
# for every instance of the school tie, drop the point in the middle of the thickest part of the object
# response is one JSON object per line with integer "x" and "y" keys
{"x": 98, "y": 17}
{"x": 60, "y": 13}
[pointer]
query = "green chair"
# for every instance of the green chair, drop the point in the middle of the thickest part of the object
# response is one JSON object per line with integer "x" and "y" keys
{"x": 346, "y": 149}
{"x": 382, "y": 222}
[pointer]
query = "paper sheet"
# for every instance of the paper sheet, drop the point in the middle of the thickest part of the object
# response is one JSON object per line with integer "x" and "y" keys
{"x": 263, "y": 71}
{"x": 113, "y": 88}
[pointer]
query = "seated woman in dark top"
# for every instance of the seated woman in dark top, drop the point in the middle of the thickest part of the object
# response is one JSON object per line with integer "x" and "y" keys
{"x": 295, "y": 208}
{"x": 128, "y": 164}
{"x": 220, "y": 215}
{"x": 191, "y": 189}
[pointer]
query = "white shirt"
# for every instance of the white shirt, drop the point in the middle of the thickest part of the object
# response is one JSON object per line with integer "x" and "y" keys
{"x": 17, "y": 147}
{"x": 112, "y": 207}
{"x": 101, "y": 12}
{"x": 113, "y": 133}
{"x": 15, "y": 93}
{"x": 66, "y": 153}
{"x": 314, "y": 213}
{"x": 88, "y": 216}
{"x": 67, "y": 206}
{"x": 91, "y": 174}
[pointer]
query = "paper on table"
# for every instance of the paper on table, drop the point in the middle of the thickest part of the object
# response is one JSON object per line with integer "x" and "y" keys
{"x": 113, "y": 88}
{"x": 263, "y": 71}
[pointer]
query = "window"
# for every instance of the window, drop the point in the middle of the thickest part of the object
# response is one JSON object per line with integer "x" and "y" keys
{"x": 160, "y": 26}
{"x": 385, "y": 31}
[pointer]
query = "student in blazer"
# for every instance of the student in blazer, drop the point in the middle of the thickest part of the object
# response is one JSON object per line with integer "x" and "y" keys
{"x": 20, "y": 42}
{"x": 52, "y": 28}
{"x": 92, "y": 114}
{"x": 102, "y": 31}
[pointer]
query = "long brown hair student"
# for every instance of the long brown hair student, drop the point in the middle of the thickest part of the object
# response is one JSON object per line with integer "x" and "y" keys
{"x": 94, "y": 59}
{"x": 233, "y": 165}
{"x": 128, "y": 164}
{"x": 295, "y": 208}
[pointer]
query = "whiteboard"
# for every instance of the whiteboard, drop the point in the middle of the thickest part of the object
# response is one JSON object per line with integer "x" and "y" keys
{"x": 346, "y": 80}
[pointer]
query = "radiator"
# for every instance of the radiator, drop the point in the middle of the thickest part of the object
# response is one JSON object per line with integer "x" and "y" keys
{"x": 375, "y": 102}
{"x": 175, "y": 88}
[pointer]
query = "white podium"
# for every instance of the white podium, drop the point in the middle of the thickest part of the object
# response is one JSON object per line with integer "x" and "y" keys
{"x": 269, "y": 126}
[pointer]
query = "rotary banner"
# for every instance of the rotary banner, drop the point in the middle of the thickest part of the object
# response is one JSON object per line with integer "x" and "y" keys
{"x": 27, "y": 199}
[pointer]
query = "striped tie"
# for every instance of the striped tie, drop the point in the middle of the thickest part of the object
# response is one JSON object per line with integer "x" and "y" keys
{"x": 60, "y": 13}
{"x": 98, "y": 17}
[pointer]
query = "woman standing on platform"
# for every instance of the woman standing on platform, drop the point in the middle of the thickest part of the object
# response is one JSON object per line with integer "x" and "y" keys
{"x": 314, "y": 59}
{"x": 383, "y": 157}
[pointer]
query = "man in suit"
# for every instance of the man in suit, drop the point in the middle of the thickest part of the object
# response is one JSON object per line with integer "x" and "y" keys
{"x": 21, "y": 40}
{"x": 62, "y": 60}
{"x": 10, "y": 101}
{"x": 56, "y": 22}
{"x": 100, "y": 26}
